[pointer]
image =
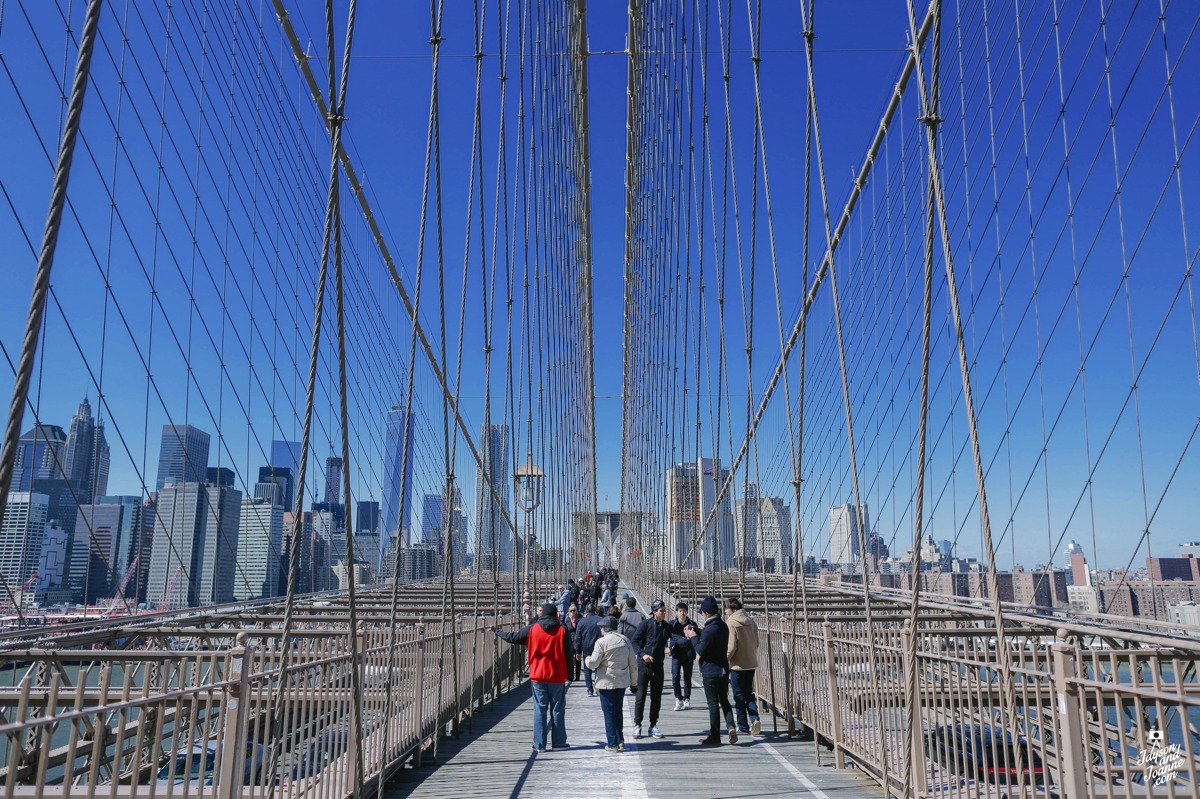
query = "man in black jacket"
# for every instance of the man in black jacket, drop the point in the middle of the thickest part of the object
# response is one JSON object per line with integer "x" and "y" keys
{"x": 683, "y": 657}
{"x": 587, "y": 633}
{"x": 710, "y": 644}
{"x": 650, "y": 643}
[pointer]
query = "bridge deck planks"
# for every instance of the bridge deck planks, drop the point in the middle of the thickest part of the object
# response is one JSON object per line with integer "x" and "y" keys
{"x": 496, "y": 760}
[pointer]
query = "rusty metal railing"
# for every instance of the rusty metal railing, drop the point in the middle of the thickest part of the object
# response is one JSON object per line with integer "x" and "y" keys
{"x": 1102, "y": 709}
{"x": 204, "y": 722}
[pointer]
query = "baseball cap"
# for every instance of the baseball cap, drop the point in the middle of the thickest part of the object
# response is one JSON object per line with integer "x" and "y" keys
{"x": 609, "y": 623}
{"x": 657, "y": 605}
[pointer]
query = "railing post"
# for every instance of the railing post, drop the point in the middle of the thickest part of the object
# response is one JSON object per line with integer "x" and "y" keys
{"x": 419, "y": 688}
{"x": 911, "y": 672}
{"x": 1072, "y": 748}
{"x": 354, "y": 751}
{"x": 234, "y": 715}
{"x": 835, "y": 710}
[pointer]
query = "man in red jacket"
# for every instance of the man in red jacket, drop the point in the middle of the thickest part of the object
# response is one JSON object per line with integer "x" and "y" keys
{"x": 550, "y": 655}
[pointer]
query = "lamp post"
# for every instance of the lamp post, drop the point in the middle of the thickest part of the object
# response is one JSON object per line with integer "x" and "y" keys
{"x": 527, "y": 484}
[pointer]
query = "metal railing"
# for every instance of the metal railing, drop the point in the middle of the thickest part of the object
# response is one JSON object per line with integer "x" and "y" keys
{"x": 214, "y": 722}
{"x": 1100, "y": 710}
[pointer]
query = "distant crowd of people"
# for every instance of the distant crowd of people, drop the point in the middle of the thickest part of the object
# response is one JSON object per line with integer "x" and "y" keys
{"x": 587, "y": 629}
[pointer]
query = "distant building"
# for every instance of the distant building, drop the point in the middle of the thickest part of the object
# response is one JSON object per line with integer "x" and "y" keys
{"x": 1080, "y": 575}
{"x": 86, "y": 455}
{"x": 418, "y": 563}
{"x": 844, "y": 541}
{"x": 1083, "y": 599}
{"x": 717, "y": 535}
{"x": 286, "y": 455}
{"x": 304, "y": 566}
{"x": 107, "y": 544}
{"x": 333, "y": 480}
{"x": 1182, "y": 568}
{"x": 1040, "y": 588}
{"x": 368, "y": 519}
{"x": 182, "y": 455}
{"x": 52, "y": 566}
{"x": 495, "y": 534}
{"x": 1191, "y": 548}
{"x": 398, "y": 449}
{"x": 40, "y": 456}
{"x": 1185, "y": 614}
{"x": 259, "y": 546}
{"x": 194, "y": 558}
{"x": 763, "y": 526}
{"x": 21, "y": 533}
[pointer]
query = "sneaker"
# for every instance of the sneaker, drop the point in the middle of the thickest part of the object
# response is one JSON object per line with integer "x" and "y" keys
{"x": 733, "y": 735}
{"x": 539, "y": 750}
{"x": 679, "y": 704}
{"x": 637, "y": 732}
{"x": 621, "y": 746}
{"x": 654, "y": 733}
{"x": 687, "y": 704}
{"x": 710, "y": 741}
{"x": 756, "y": 728}
{"x": 564, "y": 746}
{"x": 612, "y": 749}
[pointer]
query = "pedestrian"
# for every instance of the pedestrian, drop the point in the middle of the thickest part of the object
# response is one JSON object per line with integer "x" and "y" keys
{"x": 650, "y": 643}
{"x": 683, "y": 657}
{"x": 710, "y": 645}
{"x": 606, "y": 600}
{"x": 587, "y": 633}
{"x": 570, "y": 624}
{"x": 550, "y": 652}
{"x": 743, "y": 661}
{"x": 631, "y": 618}
{"x": 616, "y": 667}
{"x": 563, "y": 600}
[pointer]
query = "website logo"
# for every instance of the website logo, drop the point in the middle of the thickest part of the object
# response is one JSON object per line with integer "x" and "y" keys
{"x": 1162, "y": 761}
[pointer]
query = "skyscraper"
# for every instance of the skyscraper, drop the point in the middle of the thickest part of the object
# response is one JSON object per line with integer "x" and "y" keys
{"x": 194, "y": 557}
{"x": 769, "y": 521}
{"x": 86, "y": 455}
{"x": 107, "y": 542}
{"x": 397, "y": 474}
{"x": 717, "y": 538}
{"x": 21, "y": 533}
{"x": 432, "y": 518}
{"x": 494, "y": 533}
{"x": 333, "y": 480}
{"x": 40, "y": 456}
{"x": 182, "y": 456}
{"x": 845, "y": 549}
{"x": 286, "y": 455}
{"x": 275, "y": 483}
{"x": 683, "y": 511}
{"x": 259, "y": 545}
{"x": 368, "y": 516}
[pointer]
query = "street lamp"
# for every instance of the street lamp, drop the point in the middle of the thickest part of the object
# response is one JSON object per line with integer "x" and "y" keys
{"x": 527, "y": 484}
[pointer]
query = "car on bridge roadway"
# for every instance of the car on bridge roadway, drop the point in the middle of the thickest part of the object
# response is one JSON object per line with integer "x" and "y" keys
{"x": 984, "y": 753}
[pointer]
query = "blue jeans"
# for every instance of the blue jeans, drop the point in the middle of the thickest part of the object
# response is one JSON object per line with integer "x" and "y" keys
{"x": 611, "y": 703}
{"x": 587, "y": 678}
{"x": 549, "y": 697}
{"x": 683, "y": 690}
{"x": 742, "y": 683}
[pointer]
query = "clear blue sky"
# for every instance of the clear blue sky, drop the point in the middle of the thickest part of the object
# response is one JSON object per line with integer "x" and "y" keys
{"x": 1143, "y": 326}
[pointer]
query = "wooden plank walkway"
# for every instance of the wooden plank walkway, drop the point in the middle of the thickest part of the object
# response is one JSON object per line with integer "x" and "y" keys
{"x": 496, "y": 760}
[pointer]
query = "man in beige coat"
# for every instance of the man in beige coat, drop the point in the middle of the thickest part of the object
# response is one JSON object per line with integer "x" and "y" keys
{"x": 743, "y": 660}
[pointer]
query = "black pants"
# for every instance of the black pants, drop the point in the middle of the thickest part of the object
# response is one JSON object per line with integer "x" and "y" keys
{"x": 682, "y": 668}
{"x": 716, "y": 691}
{"x": 650, "y": 681}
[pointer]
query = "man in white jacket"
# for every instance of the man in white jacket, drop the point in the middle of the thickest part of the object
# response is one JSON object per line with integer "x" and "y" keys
{"x": 616, "y": 668}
